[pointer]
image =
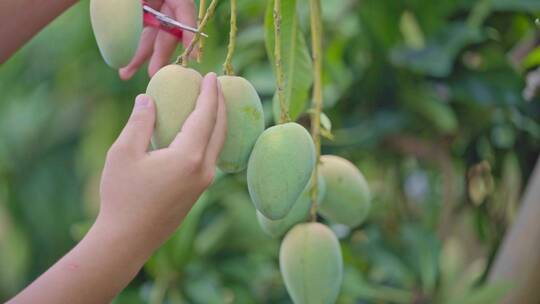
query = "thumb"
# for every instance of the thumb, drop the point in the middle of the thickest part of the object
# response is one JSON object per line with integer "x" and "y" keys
{"x": 138, "y": 130}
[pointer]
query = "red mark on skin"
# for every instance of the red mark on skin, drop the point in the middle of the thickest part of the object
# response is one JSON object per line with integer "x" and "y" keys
{"x": 72, "y": 266}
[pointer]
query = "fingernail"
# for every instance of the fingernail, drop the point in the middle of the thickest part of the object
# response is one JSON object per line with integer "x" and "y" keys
{"x": 209, "y": 80}
{"x": 210, "y": 76}
{"x": 127, "y": 70}
{"x": 142, "y": 102}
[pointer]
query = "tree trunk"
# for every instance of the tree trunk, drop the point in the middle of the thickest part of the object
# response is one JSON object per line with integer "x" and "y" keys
{"x": 518, "y": 259}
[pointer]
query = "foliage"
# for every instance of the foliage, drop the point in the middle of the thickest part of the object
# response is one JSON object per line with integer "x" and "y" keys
{"x": 418, "y": 92}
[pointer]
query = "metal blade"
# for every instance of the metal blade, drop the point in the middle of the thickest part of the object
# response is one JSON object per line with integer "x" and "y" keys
{"x": 170, "y": 21}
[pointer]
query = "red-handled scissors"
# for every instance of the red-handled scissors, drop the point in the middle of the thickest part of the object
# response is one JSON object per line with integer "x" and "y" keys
{"x": 154, "y": 18}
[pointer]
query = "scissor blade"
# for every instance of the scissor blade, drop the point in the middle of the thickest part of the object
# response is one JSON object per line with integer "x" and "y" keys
{"x": 170, "y": 21}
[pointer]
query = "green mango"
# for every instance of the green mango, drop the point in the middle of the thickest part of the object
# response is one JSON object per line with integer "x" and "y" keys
{"x": 117, "y": 27}
{"x": 175, "y": 90}
{"x": 311, "y": 264}
{"x": 245, "y": 122}
{"x": 279, "y": 168}
{"x": 299, "y": 212}
{"x": 348, "y": 199}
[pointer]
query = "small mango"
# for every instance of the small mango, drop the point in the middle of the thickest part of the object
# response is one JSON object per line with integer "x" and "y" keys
{"x": 299, "y": 212}
{"x": 245, "y": 122}
{"x": 279, "y": 168}
{"x": 311, "y": 264}
{"x": 175, "y": 90}
{"x": 117, "y": 27}
{"x": 348, "y": 199}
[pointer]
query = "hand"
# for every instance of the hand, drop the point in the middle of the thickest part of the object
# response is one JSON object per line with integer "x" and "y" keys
{"x": 147, "y": 194}
{"x": 158, "y": 46}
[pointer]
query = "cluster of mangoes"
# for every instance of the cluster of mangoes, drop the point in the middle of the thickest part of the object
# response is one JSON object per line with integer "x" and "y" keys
{"x": 280, "y": 160}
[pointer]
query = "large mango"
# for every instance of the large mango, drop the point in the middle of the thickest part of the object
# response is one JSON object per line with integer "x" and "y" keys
{"x": 117, "y": 25}
{"x": 245, "y": 122}
{"x": 175, "y": 90}
{"x": 348, "y": 199}
{"x": 311, "y": 264}
{"x": 299, "y": 212}
{"x": 279, "y": 168}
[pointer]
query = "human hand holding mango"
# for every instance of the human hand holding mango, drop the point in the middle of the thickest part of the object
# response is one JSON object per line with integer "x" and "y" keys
{"x": 147, "y": 194}
{"x": 144, "y": 197}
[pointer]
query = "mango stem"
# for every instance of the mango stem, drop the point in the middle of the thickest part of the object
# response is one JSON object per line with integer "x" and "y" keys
{"x": 284, "y": 116}
{"x": 227, "y": 65}
{"x": 202, "y": 10}
{"x": 316, "y": 45}
{"x": 183, "y": 59}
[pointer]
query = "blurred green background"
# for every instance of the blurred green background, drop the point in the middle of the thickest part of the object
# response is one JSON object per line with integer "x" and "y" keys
{"x": 425, "y": 97}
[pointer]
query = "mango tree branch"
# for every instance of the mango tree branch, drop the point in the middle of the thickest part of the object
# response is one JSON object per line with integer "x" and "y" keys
{"x": 316, "y": 45}
{"x": 284, "y": 116}
{"x": 227, "y": 66}
{"x": 183, "y": 59}
{"x": 518, "y": 259}
{"x": 202, "y": 10}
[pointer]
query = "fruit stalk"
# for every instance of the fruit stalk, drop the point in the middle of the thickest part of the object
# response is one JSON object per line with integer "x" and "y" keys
{"x": 202, "y": 10}
{"x": 316, "y": 45}
{"x": 227, "y": 65}
{"x": 183, "y": 59}
{"x": 284, "y": 116}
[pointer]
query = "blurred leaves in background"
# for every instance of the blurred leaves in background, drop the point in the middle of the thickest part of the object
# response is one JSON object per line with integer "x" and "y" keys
{"x": 419, "y": 93}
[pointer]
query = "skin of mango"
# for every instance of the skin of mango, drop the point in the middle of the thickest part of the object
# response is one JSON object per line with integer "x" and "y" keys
{"x": 117, "y": 27}
{"x": 299, "y": 212}
{"x": 348, "y": 199}
{"x": 175, "y": 90}
{"x": 279, "y": 168}
{"x": 311, "y": 264}
{"x": 245, "y": 122}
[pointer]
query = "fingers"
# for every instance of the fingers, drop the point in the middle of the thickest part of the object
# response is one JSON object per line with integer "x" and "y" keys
{"x": 220, "y": 131}
{"x": 146, "y": 46}
{"x": 155, "y": 4}
{"x": 199, "y": 126}
{"x": 185, "y": 13}
{"x": 160, "y": 45}
{"x": 164, "y": 47}
{"x": 136, "y": 135}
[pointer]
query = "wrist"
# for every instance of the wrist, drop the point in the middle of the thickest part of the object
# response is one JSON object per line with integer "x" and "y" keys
{"x": 120, "y": 239}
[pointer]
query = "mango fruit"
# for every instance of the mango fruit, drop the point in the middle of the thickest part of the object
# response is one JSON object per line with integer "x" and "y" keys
{"x": 348, "y": 199}
{"x": 311, "y": 264}
{"x": 117, "y": 27}
{"x": 245, "y": 122}
{"x": 279, "y": 168}
{"x": 175, "y": 90}
{"x": 299, "y": 212}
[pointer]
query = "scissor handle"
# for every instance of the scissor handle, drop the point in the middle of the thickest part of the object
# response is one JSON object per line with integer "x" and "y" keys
{"x": 151, "y": 21}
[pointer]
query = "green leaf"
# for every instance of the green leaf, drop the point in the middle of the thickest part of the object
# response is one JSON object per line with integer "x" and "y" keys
{"x": 527, "y": 6}
{"x": 175, "y": 254}
{"x": 296, "y": 61}
{"x": 494, "y": 87}
{"x": 451, "y": 264}
{"x": 426, "y": 103}
{"x": 355, "y": 285}
{"x": 411, "y": 31}
{"x": 211, "y": 237}
{"x": 532, "y": 59}
{"x": 487, "y": 294}
{"x": 437, "y": 58}
{"x": 183, "y": 240}
{"x": 14, "y": 254}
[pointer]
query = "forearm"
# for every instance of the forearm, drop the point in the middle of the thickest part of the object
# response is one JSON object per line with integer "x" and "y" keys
{"x": 22, "y": 19}
{"x": 95, "y": 271}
